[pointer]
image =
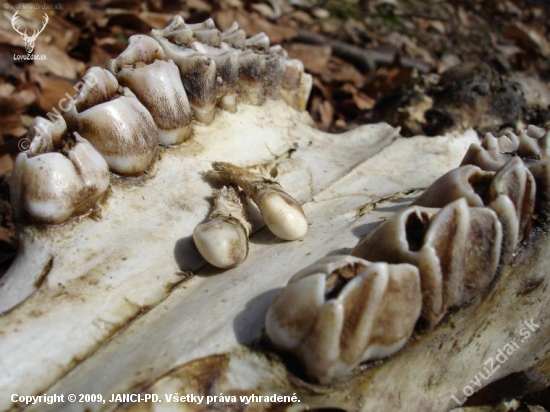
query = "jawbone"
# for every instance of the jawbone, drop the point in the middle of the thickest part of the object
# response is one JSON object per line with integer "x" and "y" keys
{"x": 119, "y": 300}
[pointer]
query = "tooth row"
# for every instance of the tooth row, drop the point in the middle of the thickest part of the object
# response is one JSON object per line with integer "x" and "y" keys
{"x": 149, "y": 95}
{"x": 438, "y": 254}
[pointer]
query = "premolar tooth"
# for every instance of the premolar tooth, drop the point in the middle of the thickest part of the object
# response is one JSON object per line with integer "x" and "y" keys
{"x": 282, "y": 213}
{"x": 223, "y": 239}
{"x": 51, "y": 188}
{"x": 452, "y": 269}
{"x": 341, "y": 311}
{"x": 116, "y": 124}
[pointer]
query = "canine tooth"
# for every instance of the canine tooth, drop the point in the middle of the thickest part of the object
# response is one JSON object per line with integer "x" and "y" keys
{"x": 223, "y": 239}
{"x": 115, "y": 123}
{"x": 51, "y": 188}
{"x": 452, "y": 269}
{"x": 283, "y": 215}
{"x": 157, "y": 85}
{"x": 343, "y": 310}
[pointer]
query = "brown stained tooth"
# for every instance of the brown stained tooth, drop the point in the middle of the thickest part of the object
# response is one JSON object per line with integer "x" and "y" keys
{"x": 252, "y": 68}
{"x": 480, "y": 188}
{"x": 211, "y": 37}
{"x": 45, "y": 136}
{"x": 369, "y": 316}
{"x": 157, "y": 85}
{"x": 227, "y": 71}
{"x": 452, "y": 269}
{"x": 116, "y": 123}
{"x": 52, "y": 187}
{"x": 296, "y": 85}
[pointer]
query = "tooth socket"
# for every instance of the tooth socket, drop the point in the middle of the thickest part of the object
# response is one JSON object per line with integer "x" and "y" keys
{"x": 453, "y": 269}
{"x": 343, "y": 310}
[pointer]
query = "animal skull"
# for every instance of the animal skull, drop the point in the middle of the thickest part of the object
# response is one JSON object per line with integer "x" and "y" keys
{"x": 117, "y": 299}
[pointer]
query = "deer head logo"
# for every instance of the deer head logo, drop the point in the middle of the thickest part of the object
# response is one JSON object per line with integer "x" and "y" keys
{"x": 29, "y": 40}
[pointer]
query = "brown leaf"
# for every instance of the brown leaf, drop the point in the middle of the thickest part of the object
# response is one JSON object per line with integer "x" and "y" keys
{"x": 314, "y": 57}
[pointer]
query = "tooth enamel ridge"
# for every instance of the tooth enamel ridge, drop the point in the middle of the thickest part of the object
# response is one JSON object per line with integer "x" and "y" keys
{"x": 343, "y": 310}
{"x": 154, "y": 90}
{"x": 488, "y": 210}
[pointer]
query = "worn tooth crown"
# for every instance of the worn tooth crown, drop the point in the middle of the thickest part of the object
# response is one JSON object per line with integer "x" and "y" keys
{"x": 52, "y": 187}
{"x": 116, "y": 123}
{"x": 343, "y": 310}
{"x": 452, "y": 269}
{"x": 157, "y": 85}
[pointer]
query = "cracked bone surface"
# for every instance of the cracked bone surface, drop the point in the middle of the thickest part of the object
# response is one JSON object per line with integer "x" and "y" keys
{"x": 123, "y": 302}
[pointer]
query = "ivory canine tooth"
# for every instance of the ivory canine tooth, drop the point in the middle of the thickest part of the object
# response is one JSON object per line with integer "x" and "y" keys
{"x": 344, "y": 310}
{"x": 115, "y": 123}
{"x": 223, "y": 239}
{"x": 283, "y": 214}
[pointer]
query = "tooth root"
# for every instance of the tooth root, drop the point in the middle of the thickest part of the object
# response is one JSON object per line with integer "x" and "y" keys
{"x": 251, "y": 77}
{"x": 118, "y": 126}
{"x": 51, "y": 188}
{"x": 469, "y": 182}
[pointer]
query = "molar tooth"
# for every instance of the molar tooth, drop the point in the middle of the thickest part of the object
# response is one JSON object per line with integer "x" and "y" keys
{"x": 212, "y": 37}
{"x": 282, "y": 213}
{"x": 223, "y": 239}
{"x": 452, "y": 269}
{"x": 234, "y": 36}
{"x": 252, "y": 68}
{"x": 115, "y": 123}
{"x": 343, "y": 310}
{"x": 258, "y": 43}
{"x": 51, "y": 188}
{"x": 296, "y": 85}
{"x": 469, "y": 182}
{"x": 489, "y": 160}
{"x": 45, "y": 135}
{"x": 157, "y": 85}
